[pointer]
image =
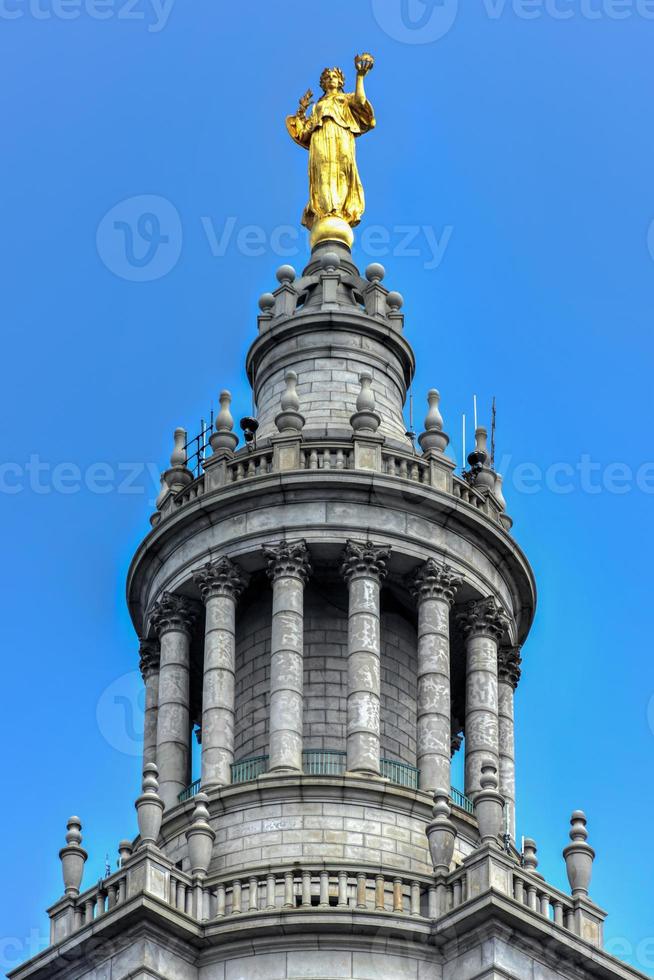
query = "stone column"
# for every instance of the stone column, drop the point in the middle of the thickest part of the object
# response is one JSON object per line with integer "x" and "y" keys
{"x": 173, "y": 619}
{"x": 483, "y": 623}
{"x": 220, "y": 583}
{"x": 509, "y": 677}
{"x": 364, "y": 568}
{"x": 289, "y": 569}
{"x": 149, "y": 664}
{"x": 434, "y": 587}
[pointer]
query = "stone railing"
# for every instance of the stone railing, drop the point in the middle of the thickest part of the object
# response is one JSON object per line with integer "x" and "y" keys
{"x": 329, "y": 456}
{"x": 533, "y": 892}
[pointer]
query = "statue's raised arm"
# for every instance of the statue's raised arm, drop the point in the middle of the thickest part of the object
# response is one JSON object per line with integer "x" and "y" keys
{"x": 336, "y": 199}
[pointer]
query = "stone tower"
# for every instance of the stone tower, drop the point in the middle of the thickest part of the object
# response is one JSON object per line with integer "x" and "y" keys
{"x": 334, "y": 614}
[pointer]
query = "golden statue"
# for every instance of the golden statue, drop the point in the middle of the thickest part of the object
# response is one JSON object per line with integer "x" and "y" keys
{"x": 336, "y": 201}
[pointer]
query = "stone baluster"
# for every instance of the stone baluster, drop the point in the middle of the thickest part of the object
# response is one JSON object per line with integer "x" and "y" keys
{"x": 441, "y": 834}
{"x": 508, "y": 677}
{"x": 173, "y": 618}
{"x": 484, "y": 622}
{"x": 434, "y": 587}
{"x": 149, "y": 665}
{"x": 220, "y": 583}
{"x": 489, "y": 806}
{"x": 364, "y": 568}
{"x": 365, "y": 422}
{"x": 290, "y": 422}
{"x": 289, "y": 569}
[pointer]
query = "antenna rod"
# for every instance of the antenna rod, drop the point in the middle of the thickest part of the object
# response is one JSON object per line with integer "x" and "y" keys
{"x": 474, "y": 406}
{"x": 493, "y": 424}
{"x": 463, "y": 464}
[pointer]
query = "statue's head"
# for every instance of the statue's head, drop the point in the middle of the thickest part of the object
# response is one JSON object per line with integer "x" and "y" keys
{"x": 332, "y": 80}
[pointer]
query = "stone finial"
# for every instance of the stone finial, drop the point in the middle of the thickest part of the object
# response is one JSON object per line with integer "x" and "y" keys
{"x": 375, "y": 272}
{"x": 224, "y": 440}
{"x": 200, "y": 837}
{"x": 267, "y": 304}
{"x": 508, "y": 666}
{"x": 365, "y": 420}
{"x": 178, "y": 475}
{"x": 529, "y": 852}
{"x": 222, "y": 577}
{"x": 433, "y": 438}
{"x": 365, "y": 558}
{"x": 441, "y": 834}
{"x": 489, "y": 806}
{"x": 288, "y": 559}
{"x": 149, "y": 807}
{"x": 435, "y": 580}
{"x": 286, "y": 275}
{"x": 579, "y": 856}
{"x": 395, "y": 301}
{"x": 125, "y": 851}
{"x": 73, "y": 858}
{"x": 149, "y": 656}
{"x": 330, "y": 262}
{"x": 289, "y": 421}
{"x": 498, "y": 491}
{"x": 484, "y": 617}
{"x": 173, "y": 612}
{"x": 480, "y": 474}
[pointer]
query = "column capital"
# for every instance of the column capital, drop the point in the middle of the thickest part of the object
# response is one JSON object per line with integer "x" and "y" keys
{"x": 435, "y": 580}
{"x": 288, "y": 559}
{"x": 365, "y": 558}
{"x": 173, "y": 612}
{"x": 509, "y": 661}
{"x": 484, "y": 617}
{"x": 221, "y": 577}
{"x": 149, "y": 657}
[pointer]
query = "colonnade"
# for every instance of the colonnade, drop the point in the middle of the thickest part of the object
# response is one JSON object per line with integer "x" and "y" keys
{"x": 492, "y": 673}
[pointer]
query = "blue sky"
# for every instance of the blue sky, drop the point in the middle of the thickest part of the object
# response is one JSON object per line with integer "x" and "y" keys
{"x": 515, "y": 136}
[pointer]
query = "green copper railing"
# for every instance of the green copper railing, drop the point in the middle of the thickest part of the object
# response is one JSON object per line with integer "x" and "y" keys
{"x": 323, "y": 762}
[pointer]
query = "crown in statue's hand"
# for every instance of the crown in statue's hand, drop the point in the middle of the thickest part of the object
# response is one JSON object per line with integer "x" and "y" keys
{"x": 363, "y": 63}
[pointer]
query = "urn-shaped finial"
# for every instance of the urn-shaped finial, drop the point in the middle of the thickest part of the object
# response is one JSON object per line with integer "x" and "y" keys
{"x": 579, "y": 855}
{"x": 125, "y": 851}
{"x": 433, "y": 438}
{"x": 489, "y": 806}
{"x": 178, "y": 475}
{"x": 365, "y": 420}
{"x": 289, "y": 421}
{"x": 200, "y": 837}
{"x": 481, "y": 475}
{"x": 224, "y": 439}
{"x": 498, "y": 491}
{"x": 73, "y": 857}
{"x": 441, "y": 834}
{"x": 529, "y": 851}
{"x": 149, "y": 807}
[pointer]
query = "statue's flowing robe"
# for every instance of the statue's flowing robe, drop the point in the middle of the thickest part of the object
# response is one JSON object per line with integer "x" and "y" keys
{"x": 329, "y": 133}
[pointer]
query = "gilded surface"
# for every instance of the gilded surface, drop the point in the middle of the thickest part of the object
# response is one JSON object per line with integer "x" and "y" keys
{"x": 329, "y": 133}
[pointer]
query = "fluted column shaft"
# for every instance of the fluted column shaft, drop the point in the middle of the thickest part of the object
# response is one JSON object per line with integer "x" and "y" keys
{"x": 173, "y": 620}
{"x": 220, "y": 584}
{"x": 509, "y": 676}
{"x": 483, "y": 623}
{"x": 434, "y": 587}
{"x": 289, "y": 569}
{"x": 149, "y": 664}
{"x": 364, "y": 568}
